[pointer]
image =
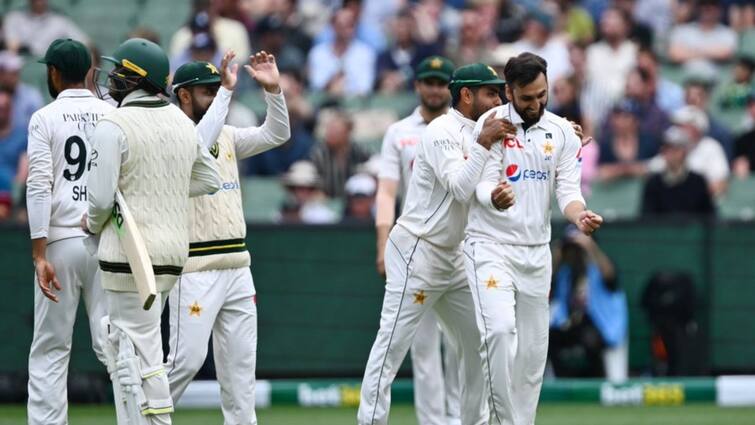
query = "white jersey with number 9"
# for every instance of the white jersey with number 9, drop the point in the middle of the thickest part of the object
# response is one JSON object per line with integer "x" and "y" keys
{"x": 60, "y": 157}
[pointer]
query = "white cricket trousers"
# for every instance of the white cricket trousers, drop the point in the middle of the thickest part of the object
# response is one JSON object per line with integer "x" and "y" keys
{"x": 53, "y": 328}
{"x": 510, "y": 286}
{"x": 142, "y": 327}
{"x": 221, "y": 302}
{"x": 436, "y": 377}
{"x": 422, "y": 277}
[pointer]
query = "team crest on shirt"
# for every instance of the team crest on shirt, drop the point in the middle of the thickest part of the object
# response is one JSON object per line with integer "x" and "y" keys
{"x": 195, "y": 309}
{"x": 548, "y": 149}
{"x": 419, "y": 297}
{"x": 215, "y": 150}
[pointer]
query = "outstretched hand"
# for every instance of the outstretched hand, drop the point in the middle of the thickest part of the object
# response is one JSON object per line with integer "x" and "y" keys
{"x": 229, "y": 74}
{"x": 263, "y": 69}
{"x": 588, "y": 222}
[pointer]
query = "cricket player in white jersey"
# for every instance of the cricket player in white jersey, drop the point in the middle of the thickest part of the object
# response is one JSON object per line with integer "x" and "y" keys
{"x": 436, "y": 389}
{"x": 423, "y": 257}
{"x": 59, "y": 154}
{"x": 215, "y": 294}
{"x": 507, "y": 252}
{"x": 149, "y": 151}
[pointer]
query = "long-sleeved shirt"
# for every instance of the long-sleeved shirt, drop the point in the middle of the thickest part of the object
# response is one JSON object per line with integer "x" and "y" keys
{"x": 59, "y": 150}
{"x": 112, "y": 150}
{"x": 539, "y": 161}
{"x": 447, "y": 168}
{"x": 248, "y": 141}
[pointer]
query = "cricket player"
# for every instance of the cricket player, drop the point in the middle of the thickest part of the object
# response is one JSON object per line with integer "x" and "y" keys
{"x": 149, "y": 151}
{"x": 59, "y": 152}
{"x": 507, "y": 252}
{"x": 423, "y": 257}
{"x": 215, "y": 294}
{"x": 436, "y": 393}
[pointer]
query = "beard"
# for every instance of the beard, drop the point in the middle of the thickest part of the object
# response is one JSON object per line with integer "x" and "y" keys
{"x": 197, "y": 110}
{"x": 528, "y": 118}
{"x": 51, "y": 88}
{"x": 434, "y": 106}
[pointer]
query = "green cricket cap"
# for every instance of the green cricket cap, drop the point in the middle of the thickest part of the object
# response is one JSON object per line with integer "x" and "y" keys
{"x": 71, "y": 57}
{"x": 195, "y": 74}
{"x": 434, "y": 67}
{"x": 476, "y": 74}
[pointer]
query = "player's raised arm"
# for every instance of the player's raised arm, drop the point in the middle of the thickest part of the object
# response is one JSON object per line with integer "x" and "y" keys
{"x": 276, "y": 130}
{"x": 212, "y": 122}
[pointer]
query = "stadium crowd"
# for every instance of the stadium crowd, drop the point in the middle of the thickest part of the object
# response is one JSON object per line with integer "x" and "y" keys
{"x": 664, "y": 86}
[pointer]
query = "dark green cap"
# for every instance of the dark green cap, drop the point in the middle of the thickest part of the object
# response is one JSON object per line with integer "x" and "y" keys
{"x": 195, "y": 74}
{"x": 474, "y": 75}
{"x": 434, "y": 67}
{"x": 71, "y": 57}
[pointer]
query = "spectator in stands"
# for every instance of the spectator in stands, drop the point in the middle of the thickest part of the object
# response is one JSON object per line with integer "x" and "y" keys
{"x": 705, "y": 156}
{"x": 13, "y": 162}
{"x": 658, "y": 15}
{"x": 588, "y": 311}
{"x": 538, "y": 38}
{"x": 436, "y": 20}
{"x": 652, "y": 119}
{"x": 271, "y": 36}
{"x": 576, "y": 22}
{"x": 301, "y": 116}
{"x": 229, "y": 33}
{"x": 510, "y": 21}
{"x": 609, "y": 61}
{"x": 293, "y": 22}
{"x": 33, "y": 29}
{"x": 360, "y": 199}
{"x": 676, "y": 189}
{"x": 741, "y": 15}
{"x": 697, "y": 93}
{"x": 624, "y": 150}
{"x": 744, "y": 153}
{"x": 337, "y": 157}
{"x": 395, "y": 66}
{"x": 733, "y": 95}
{"x": 668, "y": 95}
{"x": 146, "y": 33}
{"x": 305, "y": 202}
{"x": 344, "y": 66}
{"x": 371, "y": 16}
{"x": 470, "y": 44}
{"x": 639, "y": 32}
{"x": 26, "y": 98}
{"x": 706, "y": 39}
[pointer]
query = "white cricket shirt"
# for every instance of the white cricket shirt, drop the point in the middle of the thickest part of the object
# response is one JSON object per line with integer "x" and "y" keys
{"x": 399, "y": 149}
{"x": 60, "y": 154}
{"x": 538, "y": 162}
{"x": 446, "y": 170}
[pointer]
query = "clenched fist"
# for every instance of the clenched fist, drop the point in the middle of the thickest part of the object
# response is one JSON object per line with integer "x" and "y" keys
{"x": 502, "y": 196}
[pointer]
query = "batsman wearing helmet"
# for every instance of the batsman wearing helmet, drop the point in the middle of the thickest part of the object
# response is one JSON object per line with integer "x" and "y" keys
{"x": 149, "y": 151}
{"x": 215, "y": 294}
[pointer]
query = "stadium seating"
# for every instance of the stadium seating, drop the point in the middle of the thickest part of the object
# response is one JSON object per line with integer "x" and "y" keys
{"x": 739, "y": 202}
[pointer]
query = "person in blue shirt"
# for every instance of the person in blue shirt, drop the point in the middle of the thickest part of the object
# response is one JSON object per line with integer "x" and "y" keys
{"x": 12, "y": 153}
{"x": 588, "y": 309}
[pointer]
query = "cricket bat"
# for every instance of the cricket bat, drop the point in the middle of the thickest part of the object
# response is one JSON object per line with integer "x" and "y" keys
{"x": 135, "y": 250}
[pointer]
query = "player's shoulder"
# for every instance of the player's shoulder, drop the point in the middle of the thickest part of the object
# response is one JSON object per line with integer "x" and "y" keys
{"x": 561, "y": 125}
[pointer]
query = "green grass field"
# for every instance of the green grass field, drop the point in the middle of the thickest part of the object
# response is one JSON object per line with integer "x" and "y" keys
{"x": 550, "y": 414}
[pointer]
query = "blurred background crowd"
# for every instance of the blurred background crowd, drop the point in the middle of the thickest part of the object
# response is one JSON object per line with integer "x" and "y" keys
{"x": 664, "y": 86}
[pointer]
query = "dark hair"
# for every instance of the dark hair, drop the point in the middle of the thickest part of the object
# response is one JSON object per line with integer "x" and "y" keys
{"x": 69, "y": 76}
{"x": 456, "y": 94}
{"x": 524, "y": 69}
